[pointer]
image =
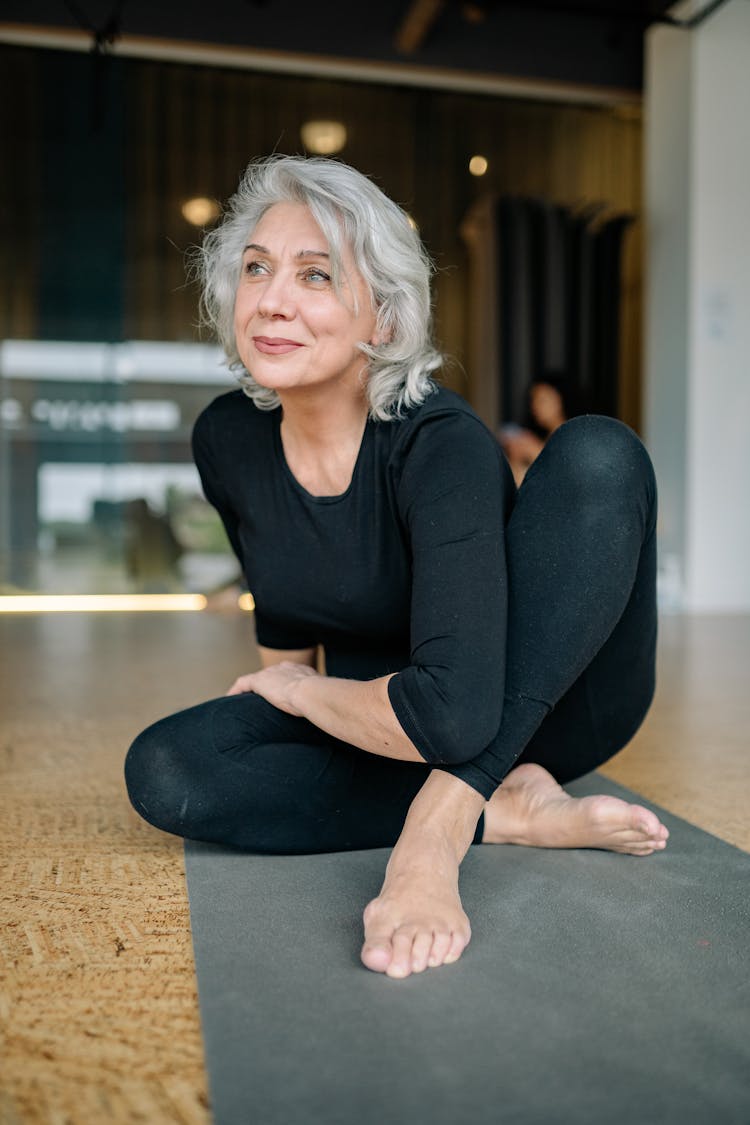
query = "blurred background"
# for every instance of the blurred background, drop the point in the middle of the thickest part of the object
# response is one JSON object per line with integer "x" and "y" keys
{"x": 578, "y": 172}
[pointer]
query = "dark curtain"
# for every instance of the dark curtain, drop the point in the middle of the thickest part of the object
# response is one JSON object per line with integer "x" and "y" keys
{"x": 559, "y": 295}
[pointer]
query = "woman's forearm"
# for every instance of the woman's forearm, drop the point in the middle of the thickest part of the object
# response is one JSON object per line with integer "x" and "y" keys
{"x": 360, "y": 712}
{"x": 355, "y": 711}
{"x": 443, "y": 816}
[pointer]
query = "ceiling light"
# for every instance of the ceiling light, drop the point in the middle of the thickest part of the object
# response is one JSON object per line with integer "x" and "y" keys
{"x": 323, "y": 137}
{"x": 474, "y": 13}
{"x": 200, "y": 211}
{"x": 478, "y": 165}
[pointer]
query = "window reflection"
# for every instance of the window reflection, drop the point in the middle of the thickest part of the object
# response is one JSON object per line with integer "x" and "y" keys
{"x": 98, "y": 490}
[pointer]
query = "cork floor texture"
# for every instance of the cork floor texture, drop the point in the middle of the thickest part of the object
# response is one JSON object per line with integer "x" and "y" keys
{"x": 98, "y": 1002}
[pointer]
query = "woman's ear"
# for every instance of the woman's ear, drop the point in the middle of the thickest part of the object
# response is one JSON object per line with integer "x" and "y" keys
{"x": 381, "y": 335}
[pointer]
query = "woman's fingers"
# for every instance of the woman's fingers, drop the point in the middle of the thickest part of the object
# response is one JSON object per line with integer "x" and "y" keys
{"x": 274, "y": 683}
{"x": 241, "y": 685}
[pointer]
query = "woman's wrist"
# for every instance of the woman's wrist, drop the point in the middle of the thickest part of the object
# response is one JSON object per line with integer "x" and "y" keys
{"x": 298, "y": 691}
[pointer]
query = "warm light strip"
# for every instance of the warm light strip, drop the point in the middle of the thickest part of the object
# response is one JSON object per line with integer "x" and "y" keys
{"x": 100, "y": 603}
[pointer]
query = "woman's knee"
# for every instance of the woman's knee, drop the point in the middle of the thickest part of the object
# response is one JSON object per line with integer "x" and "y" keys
{"x": 598, "y": 446}
{"x": 602, "y": 460}
{"x": 159, "y": 781}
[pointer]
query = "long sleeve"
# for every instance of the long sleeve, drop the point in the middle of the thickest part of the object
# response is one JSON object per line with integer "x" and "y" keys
{"x": 455, "y": 494}
{"x": 213, "y": 488}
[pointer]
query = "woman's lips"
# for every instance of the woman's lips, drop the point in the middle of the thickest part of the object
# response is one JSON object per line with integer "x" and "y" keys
{"x": 275, "y": 345}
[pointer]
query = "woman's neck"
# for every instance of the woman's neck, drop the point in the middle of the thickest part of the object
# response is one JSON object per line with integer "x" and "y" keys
{"x": 321, "y": 437}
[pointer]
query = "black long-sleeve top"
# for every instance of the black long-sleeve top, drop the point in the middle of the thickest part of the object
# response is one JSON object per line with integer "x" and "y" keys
{"x": 403, "y": 572}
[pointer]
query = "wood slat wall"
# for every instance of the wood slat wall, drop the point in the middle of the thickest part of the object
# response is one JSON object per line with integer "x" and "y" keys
{"x": 19, "y": 212}
{"x": 190, "y": 131}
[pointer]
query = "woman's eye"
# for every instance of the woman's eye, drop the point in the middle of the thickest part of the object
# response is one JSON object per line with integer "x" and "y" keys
{"x": 316, "y": 275}
{"x": 254, "y": 268}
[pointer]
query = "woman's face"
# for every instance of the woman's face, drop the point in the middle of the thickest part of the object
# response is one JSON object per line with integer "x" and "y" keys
{"x": 293, "y": 330}
{"x": 546, "y": 406}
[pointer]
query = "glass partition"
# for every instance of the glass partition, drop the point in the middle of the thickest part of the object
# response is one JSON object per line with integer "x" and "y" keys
{"x": 98, "y": 490}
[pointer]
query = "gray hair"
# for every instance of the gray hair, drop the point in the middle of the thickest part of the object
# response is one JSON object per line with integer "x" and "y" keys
{"x": 351, "y": 211}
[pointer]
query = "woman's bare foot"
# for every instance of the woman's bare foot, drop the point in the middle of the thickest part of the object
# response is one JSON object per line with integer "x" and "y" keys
{"x": 530, "y": 808}
{"x": 416, "y": 922}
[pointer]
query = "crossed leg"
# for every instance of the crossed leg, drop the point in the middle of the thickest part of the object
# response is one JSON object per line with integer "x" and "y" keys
{"x": 417, "y": 921}
{"x": 581, "y": 638}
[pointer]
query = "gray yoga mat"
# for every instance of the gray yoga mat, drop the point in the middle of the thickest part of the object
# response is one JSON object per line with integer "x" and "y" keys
{"x": 597, "y": 989}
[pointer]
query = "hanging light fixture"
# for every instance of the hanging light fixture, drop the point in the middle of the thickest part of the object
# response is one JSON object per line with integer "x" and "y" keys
{"x": 478, "y": 165}
{"x": 200, "y": 210}
{"x": 324, "y": 138}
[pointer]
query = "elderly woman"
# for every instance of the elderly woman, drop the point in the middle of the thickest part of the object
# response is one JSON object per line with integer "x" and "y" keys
{"x": 481, "y": 645}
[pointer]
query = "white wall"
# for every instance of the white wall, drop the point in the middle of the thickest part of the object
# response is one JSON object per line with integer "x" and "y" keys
{"x": 698, "y": 302}
{"x": 667, "y": 157}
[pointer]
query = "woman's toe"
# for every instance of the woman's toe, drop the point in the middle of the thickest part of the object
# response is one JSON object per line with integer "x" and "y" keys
{"x": 400, "y": 964}
{"x": 376, "y": 954}
{"x": 457, "y": 946}
{"x": 420, "y": 951}
{"x": 441, "y": 943}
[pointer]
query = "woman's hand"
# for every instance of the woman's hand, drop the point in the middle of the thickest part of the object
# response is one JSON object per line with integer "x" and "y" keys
{"x": 275, "y": 684}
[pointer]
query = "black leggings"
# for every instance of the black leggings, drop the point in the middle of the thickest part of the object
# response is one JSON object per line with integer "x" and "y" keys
{"x": 579, "y": 677}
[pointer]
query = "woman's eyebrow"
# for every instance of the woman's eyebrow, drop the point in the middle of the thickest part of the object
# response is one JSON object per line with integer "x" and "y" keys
{"x": 300, "y": 253}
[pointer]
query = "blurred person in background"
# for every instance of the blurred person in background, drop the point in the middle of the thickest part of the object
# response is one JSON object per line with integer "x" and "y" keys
{"x": 550, "y": 404}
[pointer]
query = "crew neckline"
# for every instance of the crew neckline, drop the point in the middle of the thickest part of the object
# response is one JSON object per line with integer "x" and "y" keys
{"x": 300, "y": 488}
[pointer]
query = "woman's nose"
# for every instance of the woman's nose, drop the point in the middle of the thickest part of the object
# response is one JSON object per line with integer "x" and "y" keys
{"x": 276, "y": 298}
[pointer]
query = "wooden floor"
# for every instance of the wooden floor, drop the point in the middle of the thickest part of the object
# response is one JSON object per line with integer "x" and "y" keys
{"x": 98, "y": 1001}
